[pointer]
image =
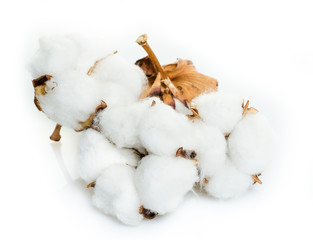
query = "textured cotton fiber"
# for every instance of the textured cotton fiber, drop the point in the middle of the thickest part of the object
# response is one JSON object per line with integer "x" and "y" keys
{"x": 228, "y": 182}
{"x": 70, "y": 98}
{"x": 220, "y": 109}
{"x": 163, "y": 130}
{"x": 251, "y": 143}
{"x": 162, "y": 182}
{"x": 96, "y": 153}
{"x": 121, "y": 124}
{"x": 115, "y": 194}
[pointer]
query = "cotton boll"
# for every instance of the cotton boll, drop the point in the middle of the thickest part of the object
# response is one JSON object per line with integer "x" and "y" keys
{"x": 163, "y": 130}
{"x": 115, "y": 194}
{"x": 96, "y": 153}
{"x": 56, "y": 54}
{"x": 120, "y": 124}
{"x": 251, "y": 143}
{"x": 70, "y": 98}
{"x": 210, "y": 148}
{"x": 162, "y": 182}
{"x": 220, "y": 109}
{"x": 115, "y": 69}
{"x": 228, "y": 182}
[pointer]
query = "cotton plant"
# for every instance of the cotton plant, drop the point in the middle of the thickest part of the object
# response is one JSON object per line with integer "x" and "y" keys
{"x": 151, "y": 133}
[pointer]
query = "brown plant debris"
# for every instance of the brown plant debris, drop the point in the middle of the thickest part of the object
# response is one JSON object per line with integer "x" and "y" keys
{"x": 180, "y": 79}
{"x": 88, "y": 123}
{"x": 256, "y": 179}
{"x": 188, "y": 154}
{"x": 147, "y": 213}
{"x": 56, "y": 136}
{"x": 91, "y": 185}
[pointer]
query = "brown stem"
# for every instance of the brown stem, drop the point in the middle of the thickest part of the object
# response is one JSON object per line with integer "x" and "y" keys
{"x": 55, "y": 136}
{"x": 142, "y": 41}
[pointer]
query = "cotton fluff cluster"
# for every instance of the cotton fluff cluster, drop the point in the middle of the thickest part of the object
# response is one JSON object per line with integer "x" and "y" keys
{"x": 71, "y": 95}
{"x": 142, "y": 156}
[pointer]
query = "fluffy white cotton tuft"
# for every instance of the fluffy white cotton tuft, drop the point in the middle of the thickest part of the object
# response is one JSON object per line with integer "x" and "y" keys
{"x": 162, "y": 182}
{"x": 115, "y": 194}
{"x": 220, "y": 109}
{"x": 96, "y": 153}
{"x": 163, "y": 130}
{"x": 210, "y": 148}
{"x": 70, "y": 98}
{"x": 127, "y": 80}
{"x": 120, "y": 124}
{"x": 228, "y": 182}
{"x": 56, "y": 54}
{"x": 251, "y": 143}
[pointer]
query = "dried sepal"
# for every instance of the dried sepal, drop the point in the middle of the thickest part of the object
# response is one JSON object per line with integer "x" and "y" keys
{"x": 91, "y": 185}
{"x": 56, "y": 136}
{"x": 88, "y": 123}
{"x": 195, "y": 112}
{"x": 188, "y": 154}
{"x": 256, "y": 179}
{"x": 246, "y": 109}
{"x": 147, "y": 213}
{"x": 92, "y": 68}
{"x": 39, "y": 85}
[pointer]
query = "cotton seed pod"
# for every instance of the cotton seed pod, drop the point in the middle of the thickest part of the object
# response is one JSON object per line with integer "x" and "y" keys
{"x": 162, "y": 182}
{"x": 96, "y": 153}
{"x": 115, "y": 194}
{"x": 251, "y": 143}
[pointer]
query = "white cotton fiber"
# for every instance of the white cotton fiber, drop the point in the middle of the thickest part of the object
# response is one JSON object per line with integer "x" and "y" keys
{"x": 220, "y": 109}
{"x": 120, "y": 124}
{"x": 251, "y": 143}
{"x": 228, "y": 182}
{"x": 163, "y": 130}
{"x": 115, "y": 70}
{"x": 71, "y": 97}
{"x": 162, "y": 182}
{"x": 115, "y": 194}
{"x": 56, "y": 54}
{"x": 96, "y": 153}
{"x": 210, "y": 148}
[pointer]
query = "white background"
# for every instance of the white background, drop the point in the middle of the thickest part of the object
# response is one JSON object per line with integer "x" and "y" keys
{"x": 260, "y": 49}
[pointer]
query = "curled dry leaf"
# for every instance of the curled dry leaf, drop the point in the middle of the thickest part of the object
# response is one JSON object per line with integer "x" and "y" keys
{"x": 180, "y": 79}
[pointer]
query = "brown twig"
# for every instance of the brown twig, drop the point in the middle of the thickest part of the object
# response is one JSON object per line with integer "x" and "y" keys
{"x": 147, "y": 213}
{"x": 142, "y": 41}
{"x": 56, "y": 136}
